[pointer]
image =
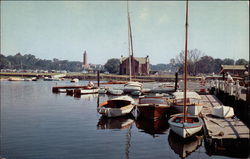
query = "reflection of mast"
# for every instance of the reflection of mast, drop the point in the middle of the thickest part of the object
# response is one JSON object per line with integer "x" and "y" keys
{"x": 128, "y": 139}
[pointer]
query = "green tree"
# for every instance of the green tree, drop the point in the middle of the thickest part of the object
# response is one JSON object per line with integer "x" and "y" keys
{"x": 241, "y": 62}
{"x": 113, "y": 65}
{"x": 228, "y": 61}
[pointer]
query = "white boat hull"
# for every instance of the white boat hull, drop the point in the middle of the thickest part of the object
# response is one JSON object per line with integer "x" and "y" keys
{"x": 115, "y": 112}
{"x": 185, "y": 130}
{"x": 223, "y": 111}
{"x": 85, "y": 91}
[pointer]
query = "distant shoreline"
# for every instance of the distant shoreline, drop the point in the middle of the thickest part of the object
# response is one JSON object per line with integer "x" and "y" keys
{"x": 103, "y": 77}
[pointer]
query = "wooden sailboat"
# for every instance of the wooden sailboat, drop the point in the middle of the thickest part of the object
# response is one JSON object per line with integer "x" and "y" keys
{"x": 131, "y": 86}
{"x": 185, "y": 125}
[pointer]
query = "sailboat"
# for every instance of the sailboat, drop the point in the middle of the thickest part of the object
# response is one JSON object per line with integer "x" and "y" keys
{"x": 131, "y": 86}
{"x": 185, "y": 125}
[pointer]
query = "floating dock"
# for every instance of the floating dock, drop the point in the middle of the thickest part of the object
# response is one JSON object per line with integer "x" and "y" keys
{"x": 218, "y": 130}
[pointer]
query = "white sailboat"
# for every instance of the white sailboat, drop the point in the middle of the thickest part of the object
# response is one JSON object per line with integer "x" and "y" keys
{"x": 131, "y": 86}
{"x": 185, "y": 125}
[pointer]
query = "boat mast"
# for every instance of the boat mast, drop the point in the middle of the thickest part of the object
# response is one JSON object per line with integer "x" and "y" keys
{"x": 185, "y": 66}
{"x": 129, "y": 44}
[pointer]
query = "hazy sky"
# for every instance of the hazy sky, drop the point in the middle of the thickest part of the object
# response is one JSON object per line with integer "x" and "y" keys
{"x": 64, "y": 29}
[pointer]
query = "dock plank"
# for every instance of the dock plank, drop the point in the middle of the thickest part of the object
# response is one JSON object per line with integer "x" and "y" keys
{"x": 219, "y": 128}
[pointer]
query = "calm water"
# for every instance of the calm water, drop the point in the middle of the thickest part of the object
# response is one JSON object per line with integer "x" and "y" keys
{"x": 37, "y": 124}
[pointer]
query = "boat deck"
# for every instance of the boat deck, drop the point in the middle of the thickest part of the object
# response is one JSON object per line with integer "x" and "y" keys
{"x": 218, "y": 128}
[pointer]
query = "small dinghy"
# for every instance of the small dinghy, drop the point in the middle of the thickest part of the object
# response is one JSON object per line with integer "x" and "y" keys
{"x": 102, "y": 91}
{"x": 115, "y": 107}
{"x": 74, "y": 80}
{"x": 115, "y": 92}
{"x": 185, "y": 127}
{"x": 223, "y": 111}
{"x": 132, "y": 86}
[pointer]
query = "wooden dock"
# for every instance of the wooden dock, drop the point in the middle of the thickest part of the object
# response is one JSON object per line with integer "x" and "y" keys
{"x": 218, "y": 128}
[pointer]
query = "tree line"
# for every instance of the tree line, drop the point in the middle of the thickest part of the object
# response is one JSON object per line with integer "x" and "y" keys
{"x": 29, "y": 61}
{"x": 198, "y": 62}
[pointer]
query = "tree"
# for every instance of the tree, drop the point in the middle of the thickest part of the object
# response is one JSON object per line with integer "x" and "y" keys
{"x": 113, "y": 65}
{"x": 241, "y": 62}
{"x": 217, "y": 65}
{"x": 206, "y": 64}
{"x": 193, "y": 57}
{"x": 228, "y": 61}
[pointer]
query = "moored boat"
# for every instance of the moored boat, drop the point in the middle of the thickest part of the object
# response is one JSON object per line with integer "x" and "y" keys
{"x": 115, "y": 107}
{"x": 185, "y": 125}
{"x": 223, "y": 111}
{"x": 15, "y": 79}
{"x": 74, "y": 80}
{"x": 86, "y": 91}
{"x": 193, "y": 101}
{"x": 185, "y": 129}
{"x": 153, "y": 107}
{"x": 115, "y": 92}
{"x": 132, "y": 86}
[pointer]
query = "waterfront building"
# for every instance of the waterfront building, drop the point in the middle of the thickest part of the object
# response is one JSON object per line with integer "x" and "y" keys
{"x": 140, "y": 65}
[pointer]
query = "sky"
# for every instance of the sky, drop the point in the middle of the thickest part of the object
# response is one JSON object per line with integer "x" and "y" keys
{"x": 64, "y": 29}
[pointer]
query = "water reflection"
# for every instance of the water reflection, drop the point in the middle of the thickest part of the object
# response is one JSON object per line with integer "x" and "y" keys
{"x": 152, "y": 127}
{"x": 114, "y": 123}
{"x": 184, "y": 147}
{"x": 88, "y": 97}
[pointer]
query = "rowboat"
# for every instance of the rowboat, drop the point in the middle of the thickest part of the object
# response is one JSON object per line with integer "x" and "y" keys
{"x": 193, "y": 101}
{"x": 153, "y": 107}
{"x": 116, "y": 107}
{"x": 223, "y": 111}
{"x": 185, "y": 129}
{"x": 132, "y": 86}
{"x": 115, "y": 92}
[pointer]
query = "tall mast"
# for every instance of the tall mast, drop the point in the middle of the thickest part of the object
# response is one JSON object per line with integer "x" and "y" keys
{"x": 185, "y": 66}
{"x": 129, "y": 44}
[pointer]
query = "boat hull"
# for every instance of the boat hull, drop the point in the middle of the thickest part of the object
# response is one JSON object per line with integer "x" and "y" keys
{"x": 115, "y": 112}
{"x": 85, "y": 91}
{"x": 186, "y": 129}
{"x": 152, "y": 111}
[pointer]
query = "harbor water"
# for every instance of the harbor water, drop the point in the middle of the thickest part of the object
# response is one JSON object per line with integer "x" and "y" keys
{"x": 38, "y": 124}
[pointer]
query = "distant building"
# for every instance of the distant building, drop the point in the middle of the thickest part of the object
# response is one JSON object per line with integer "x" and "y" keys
{"x": 85, "y": 64}
{"x": 140, "y": 66}
{"x": 234, "y": 70}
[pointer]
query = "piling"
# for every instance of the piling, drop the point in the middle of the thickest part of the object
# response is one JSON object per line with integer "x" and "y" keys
{"x": 98, "y": 78}
{"x": 176, "y": 81}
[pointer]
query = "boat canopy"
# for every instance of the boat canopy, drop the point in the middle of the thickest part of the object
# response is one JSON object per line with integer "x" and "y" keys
{"x": 180, "y": 95}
